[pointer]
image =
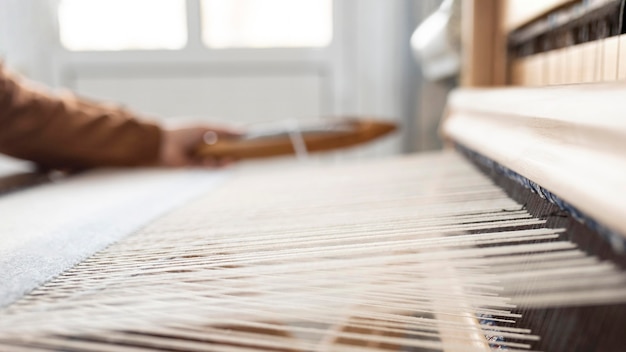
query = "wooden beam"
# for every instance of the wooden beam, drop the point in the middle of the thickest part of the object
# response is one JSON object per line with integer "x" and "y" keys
{"x": 569, "y": 139}
{"x": 516, "y": 13}
{"x": 484, "y": 44}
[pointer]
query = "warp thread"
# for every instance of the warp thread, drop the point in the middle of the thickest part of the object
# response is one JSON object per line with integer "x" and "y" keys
{"x": 614, "y": 238}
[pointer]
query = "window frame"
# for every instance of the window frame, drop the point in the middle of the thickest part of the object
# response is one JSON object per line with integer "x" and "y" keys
{"x": 196, "y": 49}
{"x": 325, "y": 62}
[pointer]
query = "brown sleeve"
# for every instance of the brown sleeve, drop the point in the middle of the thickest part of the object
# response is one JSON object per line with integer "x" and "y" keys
{"x": 69, "y": 132}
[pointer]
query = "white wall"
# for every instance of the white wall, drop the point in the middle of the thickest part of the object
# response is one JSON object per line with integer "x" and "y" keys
{"x": 385, "y": 71}
{"x": 237, "y": 98}
{"x": 28, "y": 38}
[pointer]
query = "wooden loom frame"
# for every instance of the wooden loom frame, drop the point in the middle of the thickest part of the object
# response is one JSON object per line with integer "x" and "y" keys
{"x": 563, "y": 129}
{"x": 503, "y": 125}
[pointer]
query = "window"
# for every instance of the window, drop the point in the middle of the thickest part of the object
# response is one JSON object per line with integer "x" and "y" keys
{"x": 266, "y": 23}
{"x": 122, "y": 24}
{"x": 106, "y": 25}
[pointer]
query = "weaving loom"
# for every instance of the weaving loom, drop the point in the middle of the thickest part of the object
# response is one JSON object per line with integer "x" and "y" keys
{"x": 512, "y": 239}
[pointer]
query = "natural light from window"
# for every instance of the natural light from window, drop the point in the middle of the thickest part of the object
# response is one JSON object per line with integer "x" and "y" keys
{"x": 267, "y": 23}
{"x": 122, "y": 24}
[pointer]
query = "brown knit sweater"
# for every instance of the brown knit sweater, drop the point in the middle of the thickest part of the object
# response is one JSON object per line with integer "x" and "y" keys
{"x": 69, "y": 132}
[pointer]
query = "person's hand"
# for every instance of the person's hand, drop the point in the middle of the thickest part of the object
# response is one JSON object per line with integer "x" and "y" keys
{"x": 178, "y": 146}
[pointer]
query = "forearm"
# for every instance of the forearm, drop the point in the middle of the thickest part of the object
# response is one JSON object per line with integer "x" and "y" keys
{"x": 68, "y": 132}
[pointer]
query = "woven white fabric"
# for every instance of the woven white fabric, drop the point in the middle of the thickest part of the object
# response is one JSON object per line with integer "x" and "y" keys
{"x": 47, "y": 229}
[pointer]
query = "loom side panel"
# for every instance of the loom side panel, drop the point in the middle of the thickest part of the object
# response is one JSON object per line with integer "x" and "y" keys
{"x": 484, "y": 56}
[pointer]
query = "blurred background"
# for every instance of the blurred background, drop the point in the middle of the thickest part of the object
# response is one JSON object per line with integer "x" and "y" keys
{"x": 236, "y": 61}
